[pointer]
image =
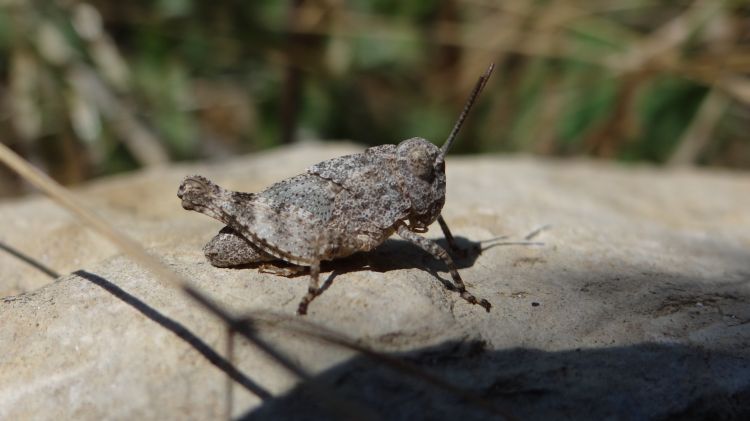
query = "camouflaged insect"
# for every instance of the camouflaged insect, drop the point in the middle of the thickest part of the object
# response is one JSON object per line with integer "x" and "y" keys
{"x": 336, "y": 208}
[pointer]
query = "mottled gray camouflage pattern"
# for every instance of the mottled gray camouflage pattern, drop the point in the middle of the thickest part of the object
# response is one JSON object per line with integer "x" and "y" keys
{"x": 337, "y": 208}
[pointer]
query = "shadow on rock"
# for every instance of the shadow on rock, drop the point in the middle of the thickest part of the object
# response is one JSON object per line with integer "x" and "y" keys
{"x": 181, "y": 331}
{"x": 395, "y": 254}
{"x": 645, "y": 381}
{"x": 36, "y": 264}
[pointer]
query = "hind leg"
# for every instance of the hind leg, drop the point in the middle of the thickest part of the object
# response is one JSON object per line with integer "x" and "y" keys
{"x": 228, "y": 248}
{"x": 281, "y": 268}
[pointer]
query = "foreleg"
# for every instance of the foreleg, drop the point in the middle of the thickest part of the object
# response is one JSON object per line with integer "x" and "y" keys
{"x": 448, "y": 236}
{"x": 439, "y": 253}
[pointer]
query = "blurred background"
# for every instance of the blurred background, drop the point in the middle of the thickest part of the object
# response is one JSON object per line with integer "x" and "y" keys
{"x": 90, "y": 88}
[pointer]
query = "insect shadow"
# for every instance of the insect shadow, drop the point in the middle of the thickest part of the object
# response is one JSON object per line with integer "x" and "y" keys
{"x": 395, "y": 254}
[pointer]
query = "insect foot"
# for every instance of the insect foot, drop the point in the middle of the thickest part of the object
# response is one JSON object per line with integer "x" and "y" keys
{"x": 336, "y": 208}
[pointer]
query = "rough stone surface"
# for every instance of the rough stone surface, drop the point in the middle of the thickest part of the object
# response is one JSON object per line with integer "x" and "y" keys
{"x": 632, "y": 303}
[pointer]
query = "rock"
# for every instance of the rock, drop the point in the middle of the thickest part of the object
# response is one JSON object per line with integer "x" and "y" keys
{"x": 619, "y": 292}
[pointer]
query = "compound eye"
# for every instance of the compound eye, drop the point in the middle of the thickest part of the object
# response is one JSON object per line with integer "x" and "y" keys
{"x": 421, "y": 164}
{"x": 440, "y": 165}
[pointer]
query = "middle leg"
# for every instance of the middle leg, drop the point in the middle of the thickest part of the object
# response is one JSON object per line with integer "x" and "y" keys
{"x": 312, "y": 289}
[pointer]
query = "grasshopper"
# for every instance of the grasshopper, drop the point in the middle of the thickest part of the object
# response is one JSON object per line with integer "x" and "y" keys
{"x": 336, "y": 208}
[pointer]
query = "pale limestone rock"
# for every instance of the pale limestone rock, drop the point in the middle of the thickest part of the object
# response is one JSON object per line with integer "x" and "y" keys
{"x": 633, "y": 303}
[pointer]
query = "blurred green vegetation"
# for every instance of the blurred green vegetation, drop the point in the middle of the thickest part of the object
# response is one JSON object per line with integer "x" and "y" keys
{"x": 92, "y": 88}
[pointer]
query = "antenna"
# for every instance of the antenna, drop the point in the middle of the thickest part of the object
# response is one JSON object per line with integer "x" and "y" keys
{"x": 472, "y": 98}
